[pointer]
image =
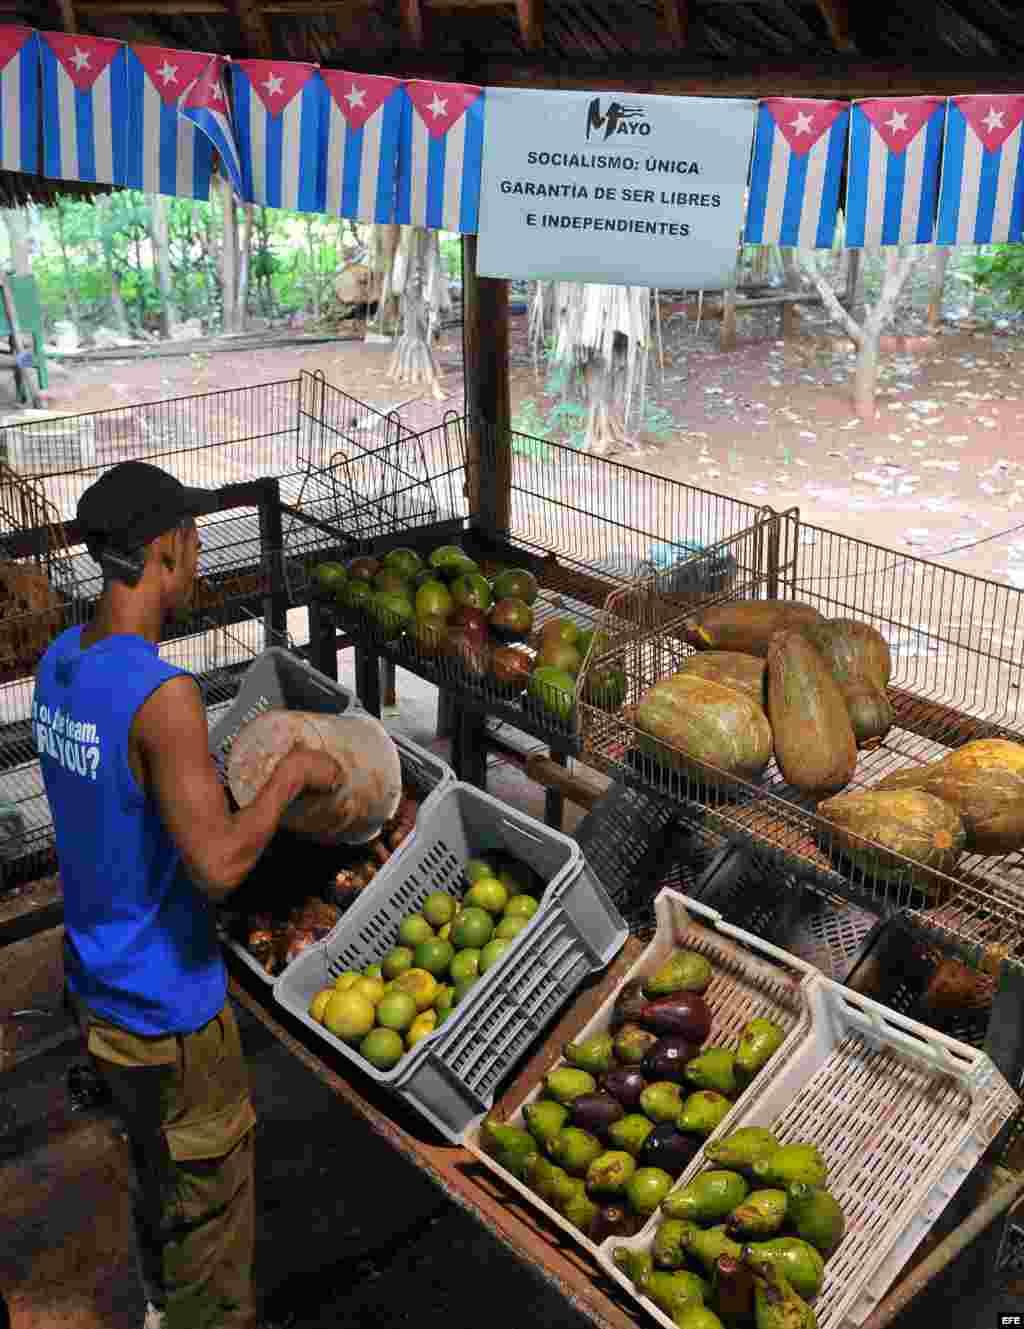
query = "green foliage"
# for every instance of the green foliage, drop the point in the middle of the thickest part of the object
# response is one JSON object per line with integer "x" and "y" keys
{"x": 999, "y": 270}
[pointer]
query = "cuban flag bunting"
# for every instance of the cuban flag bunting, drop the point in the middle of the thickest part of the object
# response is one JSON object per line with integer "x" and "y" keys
{"x": 19, "y": 99}
{"x": 205, "y": 105}
{"x": 165, "y": 154}
{"x": 85, "y": 108}
{"x": 799, "y": 149}
{"x": 982, "y": 197}
{"x": 893, "y": 173}
{"x": 363, "y": 125}
{"x": 441, "y": 154}
{"x": 279, "y": 119}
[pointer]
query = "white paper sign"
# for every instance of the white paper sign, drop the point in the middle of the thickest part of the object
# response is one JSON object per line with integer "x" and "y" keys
{"x": 613, "y": 187}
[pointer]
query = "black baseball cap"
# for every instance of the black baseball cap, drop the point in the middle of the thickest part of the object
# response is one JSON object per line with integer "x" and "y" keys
{"x": 134, "y": 503}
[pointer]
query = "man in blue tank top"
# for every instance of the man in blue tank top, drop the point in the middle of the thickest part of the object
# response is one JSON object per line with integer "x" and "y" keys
{"x": 147, "y": 844}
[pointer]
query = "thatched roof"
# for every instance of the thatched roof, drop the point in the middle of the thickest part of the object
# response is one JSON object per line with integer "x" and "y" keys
{"x": 750, "y": 47}
{"x": 16, "y": 190}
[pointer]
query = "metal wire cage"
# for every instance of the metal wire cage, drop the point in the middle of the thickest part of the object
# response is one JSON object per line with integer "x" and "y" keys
{"x": 956, "y": 642}
{"x": 585, "y": 527}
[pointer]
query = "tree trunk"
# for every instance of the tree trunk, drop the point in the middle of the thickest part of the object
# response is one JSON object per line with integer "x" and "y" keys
{"x": 17, "y": 233}
{"x": 229, "y": 258}
{"x": 384, "y": 244}
{"x": 606, "y": 427}
{"x": 70, "y": 297}
{"x": 413, "y": 359}
{"x": 117, "y": 301}
{"x": 938, "y": 285}
{"x": 162, "y": 263}
{"x": 244, "y": 265}
{"x": 867, "y": 335}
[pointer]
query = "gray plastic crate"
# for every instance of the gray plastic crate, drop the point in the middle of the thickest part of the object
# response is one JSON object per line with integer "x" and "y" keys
{"x": 451, "y": 1076}
{"x": 277, "y": 678}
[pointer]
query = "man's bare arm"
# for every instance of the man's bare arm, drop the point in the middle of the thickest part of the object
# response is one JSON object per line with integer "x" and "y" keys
{"x": 219, "y": 847}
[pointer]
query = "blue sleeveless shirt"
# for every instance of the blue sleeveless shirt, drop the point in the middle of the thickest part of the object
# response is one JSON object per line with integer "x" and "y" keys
{"x": 141, "y": 938}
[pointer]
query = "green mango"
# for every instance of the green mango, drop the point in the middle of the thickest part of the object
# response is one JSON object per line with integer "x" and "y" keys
{"x": 594, "y": 1055}
{"x": 816, "y": 1217}
{"x": 708, "y": 1198}
{"x": 579, "y": 1209}
{"x": 777, "y": 1304}
{"x": 761, "y": 1214}
{"x": 673, "y": 1293}
{"x": 509, "y": 1146}
{"x": 574, "y": 1150}
{"x": 568, "y": 1082}
{"x": 797, "y": 1259}
{"x": 684, "y": 971}
{"x": 715, "y": 1069}
{"x": 705, "y": 1246}
{"x": 742, "y": 1148}
{"x": 632, "y": 1044}
{"x": 609, "y": 1173}
{"x": 668, "y": 1249}
{"x": 703, "y": 1112}
{"x": 759, "y": 1041}
{"x": 636, "y": 1265}
{"x": 630, "y": 1132}
{"x": 792, "y": 1162}
{"x": 544, "y": 1119}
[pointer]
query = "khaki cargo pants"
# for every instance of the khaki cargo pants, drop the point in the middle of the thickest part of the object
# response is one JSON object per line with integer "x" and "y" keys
{"x": 184, "y": 1101}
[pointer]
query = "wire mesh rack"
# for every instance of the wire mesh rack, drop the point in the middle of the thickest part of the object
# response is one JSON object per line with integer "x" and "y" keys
{"x": 956, "y": 642}
{"x": 584, "y": 526}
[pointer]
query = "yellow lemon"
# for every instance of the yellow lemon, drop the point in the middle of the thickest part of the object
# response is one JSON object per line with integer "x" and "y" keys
{"x": 348, "y": 1015}
{"x": 370, "y": 988}
{"x": 424, "y": 1024}
{"x": 420, "y": 984}
{"x": 316, "y": 1006}
{"x": 344, "y": 981}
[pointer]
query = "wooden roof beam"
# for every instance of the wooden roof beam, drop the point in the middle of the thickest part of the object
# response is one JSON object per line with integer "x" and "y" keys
{"x": 410, "y": 13}
{"x": 531, "y": 23}
{"x": 114, "y": 8}
{"x": 67, "y": 15}
{"x": 676, "y": 17}
{"x": 836, "y": 14}
{"x": 255, "y": 31}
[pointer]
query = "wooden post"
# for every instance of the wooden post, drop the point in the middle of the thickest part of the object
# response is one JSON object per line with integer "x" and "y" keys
{"x": 488, "y": 407}
{"x": 790, "y": 320}
{"x": 937, "y": 285}
{"x": 727, "y": 342}
{"x": 23, "y": 381}
{"x": 854, "y": 282}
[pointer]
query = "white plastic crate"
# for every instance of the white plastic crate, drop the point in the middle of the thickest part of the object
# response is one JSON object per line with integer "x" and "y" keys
{"x": 901, "y": 1114}
{"x": 277, "y": 678}
{"x": 450, "y": 1077}
{"x": 753, "y": 980}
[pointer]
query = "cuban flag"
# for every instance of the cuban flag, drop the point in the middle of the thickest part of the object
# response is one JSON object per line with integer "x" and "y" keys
{"x": 982, "y": 197}
{"x": 892, "y": 181}
{"x": 279, "y": 114}
{"x": 797, "y": 169}
{"x": 85, "y": 108}
{"x": 440, "y": 157}
{"x": 205, "y": 105}
{"x": 363, "y": 127}
{"x": 165, "y": 153}
{"x": 19, "y": 100}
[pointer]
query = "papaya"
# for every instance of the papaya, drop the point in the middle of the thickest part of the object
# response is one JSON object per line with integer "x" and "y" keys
{"x": 910, "y": 822}
{"x": 984, "y": 781}
{"x": 745, "y": 673}
{"x": 860, "y": 661}
{"x": 746, "y": 626}
{"x": 696, "y": 717}
{"x": 814, "y": 741}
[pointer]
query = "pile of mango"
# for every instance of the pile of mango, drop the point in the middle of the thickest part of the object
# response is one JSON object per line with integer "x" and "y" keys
{"x": 619, "y": 1121}
{"x": 744, "y": 1243}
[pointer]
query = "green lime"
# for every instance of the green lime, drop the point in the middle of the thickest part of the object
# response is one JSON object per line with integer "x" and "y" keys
{"x": 370, "y": 988}
{"x": 382, "y": 1048}
{"x": 492, "y": 953}
{"x": 397, "y": 961}
{"x": 330, "y": 577}
{"x": 445, "y": 1000}
{"x": 487, "y": 893}
{"x": 406, "y": 562}
{"x": 473, "y": 927}
{"x": 466, "y": 964}
{"x": 439, "y": 908}
{"x": 373, "y": 971}
{"x": 462, "y": 987}
{"x": 413, "y": 929}
{"x": 510, "y": 927}
{"x": 477, "y": 868}
{"x": 521, "y": 906}
{"x": 434, "y": 956}
{"x": 348, "y": 1015}
{"x": 420, "y": 984}
{"x": 396, "y": 1010}
{"x": 356, "y": 594}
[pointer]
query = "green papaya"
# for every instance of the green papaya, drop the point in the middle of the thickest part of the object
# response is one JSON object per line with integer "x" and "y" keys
{"x": 747, "y": 626}
{"x": 733, "y": 669}
{"x": 697, "y": 718}
{"x": 814, "y": 742}
{"x": 816, "y": 1216}
{"x": 907, "y": 822}
{"x": 708, "y": 1198}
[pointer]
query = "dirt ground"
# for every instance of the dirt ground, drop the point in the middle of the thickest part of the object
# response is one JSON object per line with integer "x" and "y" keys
{"x": 938, "y": 469}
